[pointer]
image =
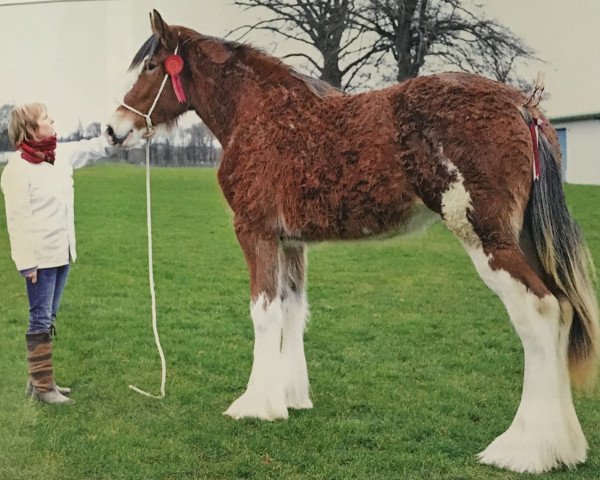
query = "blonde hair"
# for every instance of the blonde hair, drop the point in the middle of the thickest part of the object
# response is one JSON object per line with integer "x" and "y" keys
{"x": 23, "y": 119}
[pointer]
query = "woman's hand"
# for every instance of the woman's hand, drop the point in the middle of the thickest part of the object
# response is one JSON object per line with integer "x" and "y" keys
{"x": 32, "y": 276}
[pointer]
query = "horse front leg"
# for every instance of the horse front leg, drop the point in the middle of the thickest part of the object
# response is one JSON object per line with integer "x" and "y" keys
{"x": 295, "y": 316}
{"x": 264, "y": 397}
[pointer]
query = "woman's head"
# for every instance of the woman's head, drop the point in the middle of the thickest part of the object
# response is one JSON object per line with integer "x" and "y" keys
{"x": 29, "y": 122}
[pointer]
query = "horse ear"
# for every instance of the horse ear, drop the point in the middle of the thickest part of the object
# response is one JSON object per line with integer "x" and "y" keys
{"x": 216, "y": 51}
{"x": 160, "y": 28}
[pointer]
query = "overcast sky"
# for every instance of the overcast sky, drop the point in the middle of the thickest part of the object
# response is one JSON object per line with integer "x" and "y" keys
{"x": 74, "y": 56}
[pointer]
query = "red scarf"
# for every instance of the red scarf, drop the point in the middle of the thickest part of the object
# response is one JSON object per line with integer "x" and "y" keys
{"x": 38, "y": 152}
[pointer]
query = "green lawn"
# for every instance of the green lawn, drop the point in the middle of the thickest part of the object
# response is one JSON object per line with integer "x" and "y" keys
{"x": 413, "y": 364}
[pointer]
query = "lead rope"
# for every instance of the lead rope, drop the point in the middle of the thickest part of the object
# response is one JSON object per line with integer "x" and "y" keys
{"x": 148, "y": 135}
{"x": 163, "y": 363}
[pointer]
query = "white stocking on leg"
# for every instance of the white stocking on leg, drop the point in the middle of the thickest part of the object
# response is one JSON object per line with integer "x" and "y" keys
{"x": 545, "y": 432}
{"x": 295, "y": 314}
{"x": 264, "y": 397}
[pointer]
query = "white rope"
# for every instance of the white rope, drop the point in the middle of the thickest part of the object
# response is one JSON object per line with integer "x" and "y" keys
{"x": 151, "y": 282}
{"x": 149, "y": 133}
{"x": 162, "y": 86}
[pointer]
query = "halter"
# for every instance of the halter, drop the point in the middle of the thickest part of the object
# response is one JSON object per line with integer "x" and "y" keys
{"x": 149, "y": 127}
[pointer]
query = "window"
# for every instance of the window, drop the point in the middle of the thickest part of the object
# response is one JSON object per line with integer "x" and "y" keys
{"x": 562, "y": 138}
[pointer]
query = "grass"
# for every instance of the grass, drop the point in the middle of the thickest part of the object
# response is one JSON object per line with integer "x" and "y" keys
{"x": 414, "y": 366}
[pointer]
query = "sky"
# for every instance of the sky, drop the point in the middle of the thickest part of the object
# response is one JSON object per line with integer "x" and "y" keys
{"x": 74, "y": 56}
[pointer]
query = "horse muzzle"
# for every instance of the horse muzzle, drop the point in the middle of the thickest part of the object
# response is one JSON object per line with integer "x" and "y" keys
{"x": 114, "y": 139}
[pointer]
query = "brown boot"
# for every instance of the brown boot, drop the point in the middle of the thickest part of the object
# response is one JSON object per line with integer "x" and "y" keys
{"x": 29, "y": 389}
{"x": 39, "y": 361}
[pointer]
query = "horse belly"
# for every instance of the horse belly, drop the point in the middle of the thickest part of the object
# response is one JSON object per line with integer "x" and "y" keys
{"x": 388, "y": 222}
{"x": 352, "y": 215}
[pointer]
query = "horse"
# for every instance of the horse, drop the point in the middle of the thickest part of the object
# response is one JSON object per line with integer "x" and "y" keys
{"x": 303, "y": 162}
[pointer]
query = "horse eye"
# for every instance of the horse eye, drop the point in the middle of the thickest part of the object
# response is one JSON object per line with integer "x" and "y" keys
{"x": 150, "y": 66}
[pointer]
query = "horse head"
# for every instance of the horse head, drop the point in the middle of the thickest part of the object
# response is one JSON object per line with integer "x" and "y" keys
{"x": 154, "y": 99}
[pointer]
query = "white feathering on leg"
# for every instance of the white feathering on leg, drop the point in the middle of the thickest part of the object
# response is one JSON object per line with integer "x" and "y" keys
{"x": 297, "y": 388}
{"x": 264, "y": 397}
{"x": 545, "y": 432}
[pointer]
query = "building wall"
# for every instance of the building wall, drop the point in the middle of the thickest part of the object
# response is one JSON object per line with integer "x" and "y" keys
{"x": 583, "y": 151}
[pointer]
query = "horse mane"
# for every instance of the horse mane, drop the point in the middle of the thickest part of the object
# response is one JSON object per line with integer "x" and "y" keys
{"x": 146, "y": 50}
{"x": 265, "y": 64}
{"x": 317, "y": 86}
{"x": 260, "y": 62}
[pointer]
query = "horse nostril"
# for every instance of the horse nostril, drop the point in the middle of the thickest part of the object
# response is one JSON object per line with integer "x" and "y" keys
{"x": 113, "y": 136}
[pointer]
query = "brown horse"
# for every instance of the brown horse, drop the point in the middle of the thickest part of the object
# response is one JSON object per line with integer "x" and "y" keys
{"x": 303, "y": 162}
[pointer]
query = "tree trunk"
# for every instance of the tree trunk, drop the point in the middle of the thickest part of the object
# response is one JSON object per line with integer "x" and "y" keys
{"x": 331, "y": 72}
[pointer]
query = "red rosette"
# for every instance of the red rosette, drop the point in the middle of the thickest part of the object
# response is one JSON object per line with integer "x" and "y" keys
{"x": 173, "y": 65}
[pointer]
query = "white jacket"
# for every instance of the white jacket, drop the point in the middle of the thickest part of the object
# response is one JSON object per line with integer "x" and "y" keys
{"x": 39, "y": 204}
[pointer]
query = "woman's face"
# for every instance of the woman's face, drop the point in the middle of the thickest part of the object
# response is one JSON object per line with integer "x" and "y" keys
{"x": 45, "y": 128}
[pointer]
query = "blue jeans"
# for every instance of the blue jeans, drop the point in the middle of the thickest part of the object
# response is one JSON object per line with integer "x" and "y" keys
{"x": 44, "y": 297}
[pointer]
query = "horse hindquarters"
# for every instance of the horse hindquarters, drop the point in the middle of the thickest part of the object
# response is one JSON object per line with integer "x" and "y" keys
{"x": 279, "y": 310}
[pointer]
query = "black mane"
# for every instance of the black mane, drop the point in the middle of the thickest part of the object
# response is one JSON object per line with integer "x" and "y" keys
{"x": 146, "y": 50}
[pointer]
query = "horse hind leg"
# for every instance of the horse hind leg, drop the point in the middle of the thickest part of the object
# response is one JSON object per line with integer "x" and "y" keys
{"x": 264, "y": 397}
{"x": 576, "y": 438}
{"x": 545, "y": 432}
{"x": 295, "y": 316}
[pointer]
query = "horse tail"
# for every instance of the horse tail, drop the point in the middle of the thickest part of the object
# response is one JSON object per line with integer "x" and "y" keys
{"x": 566, "y": 259}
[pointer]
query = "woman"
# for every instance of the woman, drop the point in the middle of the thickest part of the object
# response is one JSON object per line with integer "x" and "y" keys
{"x": 38, "y": 191}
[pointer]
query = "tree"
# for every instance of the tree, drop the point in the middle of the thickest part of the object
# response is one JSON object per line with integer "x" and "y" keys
{"x": 4, "y": 118}
{"x": 191, "y": 146}
{"x": 354, "y": 37}
{"x": 93, "y": 130}
{"x": 75, "y": 135}
{"x": 327, "y": 26}
{"x": 200, "y": 149}
{"x": 443, "y": 33}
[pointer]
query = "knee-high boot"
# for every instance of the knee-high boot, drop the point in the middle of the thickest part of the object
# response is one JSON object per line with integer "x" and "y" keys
{"x": 41, "y": 373}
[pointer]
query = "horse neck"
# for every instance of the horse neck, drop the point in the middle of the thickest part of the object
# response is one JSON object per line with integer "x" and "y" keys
{"x": 223, "y": 92}
{"x": 216, "y": 104}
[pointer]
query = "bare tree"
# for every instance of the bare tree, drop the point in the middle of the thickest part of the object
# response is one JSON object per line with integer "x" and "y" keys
{"x": 5, "y": 144}
{"x": 75, "y": 135}
{"x": 93, "y": 130}
{"x": 443, "y": 33}
{"x": 328, "y": 26}
{"x": 352, "y": 37}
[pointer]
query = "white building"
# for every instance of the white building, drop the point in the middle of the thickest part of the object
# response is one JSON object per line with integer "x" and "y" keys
{"x": 579, "y": 137}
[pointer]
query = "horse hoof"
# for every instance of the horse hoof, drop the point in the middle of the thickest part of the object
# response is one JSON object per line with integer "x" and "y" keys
{"x": 297, "y": 396}
{"x": 257, "y": 406}
{"x": 299, "y": 404}
{"x": 534, "y": 452}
